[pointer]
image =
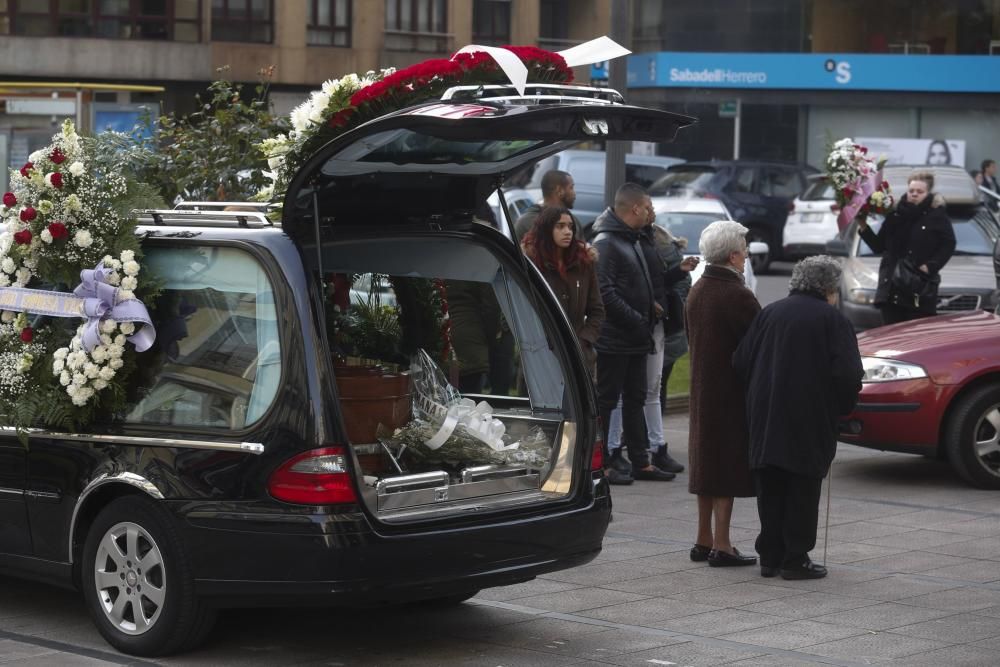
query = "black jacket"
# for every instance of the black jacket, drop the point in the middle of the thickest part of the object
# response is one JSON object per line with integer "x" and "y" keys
{"x": 662, "y": 274}
{"x": 626, "y": 288}
{"x": 802, "y": 370}
{"x": 922, "y": 233}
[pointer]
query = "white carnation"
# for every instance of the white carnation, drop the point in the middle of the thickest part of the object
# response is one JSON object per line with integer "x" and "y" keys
{"x": 76, "y": 169}
{"x": 120, "y": 340}
{"x": 116, "y": 363}
{"x": 116, "y": 351}
{"x": 108, "y": 326}
{"x": 100, "y": 384}
{"x": 106, "y": 339}
{"x": 91, "y": 370}
{"x": 46, "y": 236}
{"x": 127, "y": 256}
{"x": 99, "y": 354}
{"x": 4, "y": 279}
{"x": 129, "y": 283}
{"x": 79, "y": 379}
{"x": 64, "y": 379}
{"x": 127, "y": 328}
{"x": 61, "y": 353}
{"x": 83, "y": 238}
{"x": 7, "y": 317}
{"x": 73, "y": 204}
{"x": 22, "y": 276}
{"x": 58, "y": 366}
{"x": 72, "y": 390}
{"x": 125, "y": 295}
{"x": 131, "y": 267}
{"x": 107, "y": 373}
{"x": 8, "y": 265}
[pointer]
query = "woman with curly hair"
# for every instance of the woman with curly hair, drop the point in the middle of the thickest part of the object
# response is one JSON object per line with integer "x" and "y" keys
{"x": 568, "y": 266}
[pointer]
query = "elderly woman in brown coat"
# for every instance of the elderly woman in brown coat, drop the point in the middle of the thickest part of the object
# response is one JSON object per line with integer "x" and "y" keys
{"x": 567, "y": 264}
{"x": 718, "y": 313}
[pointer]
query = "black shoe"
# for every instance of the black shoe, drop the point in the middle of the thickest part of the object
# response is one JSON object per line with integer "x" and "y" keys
{"x": 725, "y": 559}
{"x": 808, "y": 570}
{"x": 619, "y": 463}
{"x": 768, "y": 572}
{"x": 664, "y": 461}
{"x": 699, "y": 553}
{"x": 618, "y": 477}
{"x": 652, "y": 474}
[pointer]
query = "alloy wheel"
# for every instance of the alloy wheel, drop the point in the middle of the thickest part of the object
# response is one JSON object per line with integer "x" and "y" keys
{"x": 130, "y": 578}
{"x": 987, "y": 440}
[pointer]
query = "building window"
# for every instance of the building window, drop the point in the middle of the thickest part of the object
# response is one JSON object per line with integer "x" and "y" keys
{"x": 553, "y": 25}
{"x": 329, "y": 23}
{"x": 173, "y": 20}
{"x": 243, "y": 21}
{"x": 491, "y": 22}
{"x": 417, "y": 25}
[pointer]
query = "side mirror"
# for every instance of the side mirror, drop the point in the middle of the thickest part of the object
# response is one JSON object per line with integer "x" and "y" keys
{"x": 837, "y": 248}
{"x": 759, "y": 248}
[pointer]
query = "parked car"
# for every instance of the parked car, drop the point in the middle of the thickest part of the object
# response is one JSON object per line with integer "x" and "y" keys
{"x": 518, "y": 201}
{"x": 758, "y": 193}
{"x": 235, "y": 477}
{"x": 812, "y": 221}
{"x": 690, "y": 220}
{"x": 587, "y": 170}
{"x": 932, "y": 387}
{"x": 968, "y": 281}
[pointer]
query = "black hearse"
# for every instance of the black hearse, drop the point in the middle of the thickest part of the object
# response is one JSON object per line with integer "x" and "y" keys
{"x": 235, "y": 480}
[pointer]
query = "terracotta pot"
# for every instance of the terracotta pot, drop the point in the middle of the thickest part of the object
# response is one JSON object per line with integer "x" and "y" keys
{"x": 369, "y": 397}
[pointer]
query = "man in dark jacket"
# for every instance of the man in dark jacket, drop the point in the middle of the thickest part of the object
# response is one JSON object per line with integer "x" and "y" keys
{"x": 802, "y": 370}
{"x": 626, "y": 334}
{"x": 557, "y": 190}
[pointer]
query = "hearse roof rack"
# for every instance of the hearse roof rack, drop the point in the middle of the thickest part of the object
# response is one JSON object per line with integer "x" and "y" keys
{"x": 211, "y": 218}
{"x": 535, "y": 93}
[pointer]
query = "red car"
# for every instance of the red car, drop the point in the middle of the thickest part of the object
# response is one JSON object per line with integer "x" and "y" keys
{"x": 932, "y": 387}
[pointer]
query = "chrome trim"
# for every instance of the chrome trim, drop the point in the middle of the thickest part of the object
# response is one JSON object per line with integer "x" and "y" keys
{"x": 130, "y": 478}
{"x": 42, "y": 495}
{"x": 248, "y": 447}
{"x": 12, "y": 492}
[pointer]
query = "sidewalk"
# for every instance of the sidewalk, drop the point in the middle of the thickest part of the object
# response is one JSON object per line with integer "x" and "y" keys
{"x": 914, "y": 558}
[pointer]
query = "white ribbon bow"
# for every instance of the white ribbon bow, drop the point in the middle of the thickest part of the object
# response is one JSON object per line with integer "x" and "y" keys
{"x": 478, "y": 421}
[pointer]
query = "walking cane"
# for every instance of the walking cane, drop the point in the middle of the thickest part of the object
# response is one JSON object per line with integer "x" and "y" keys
{"x": 826, "y": 528}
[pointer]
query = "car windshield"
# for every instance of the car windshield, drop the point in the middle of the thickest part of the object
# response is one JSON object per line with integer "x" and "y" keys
{"x": 975, "y": 233}
{"x": 681, "y": 181}
{"x": 818, "y": 190}
{"x": 688, "y": 226}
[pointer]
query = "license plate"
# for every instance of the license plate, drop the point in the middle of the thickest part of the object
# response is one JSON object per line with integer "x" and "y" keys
{"x": 812, "y": 217}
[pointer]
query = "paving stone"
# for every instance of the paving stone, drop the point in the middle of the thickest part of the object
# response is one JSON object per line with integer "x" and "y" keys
{"x": 11, "y": 650}
{"x": 686, "y": 653}
{"x": 849, "y": 552}
{"x": 884, "y": 616}
{"x": 955, "y": 629}
{"x": 875, "y": 647}
{"x": 808, "y": 605}
{"x": 528, "y": 588}
{"x": 633, "y": 549}
{"x": 959, "y": 599}
{"x": 603, "y": 573}
{"x": 579, "y": 640}
{"x": 646, "y": 612}
{"x": 697, "y": 578}
{"x": 911, "y": 562}
{"x": 858, "y": 531}
{"x": 776, "y": 661}
{"x": 919, "y": 539}
{"x": 795, "y": 634}
{"x": 895, "y": 587}
{"x": 952, "y": 656}
{"x": 578, "y": 599}
{"x": 984, "y": 548}
{"x": 725, "y": 621}
{"x": 980, "y": 571}
{"x": 737, "y": 595}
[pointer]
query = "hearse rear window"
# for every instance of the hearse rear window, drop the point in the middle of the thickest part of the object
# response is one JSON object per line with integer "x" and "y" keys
{"x": 217, "y": 358}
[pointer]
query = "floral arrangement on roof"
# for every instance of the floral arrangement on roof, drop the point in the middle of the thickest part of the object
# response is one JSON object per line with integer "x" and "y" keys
{"x": 67, "y": 221}
{"x": 345, "y": 103}
{"x": 857, "y": 181}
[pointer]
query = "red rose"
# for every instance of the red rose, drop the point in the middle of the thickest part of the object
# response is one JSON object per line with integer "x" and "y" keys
{"x": 340, "y": 118}
{"x": 28, "y": 214}
{"x": 27, "y": 333}
{"x": 56, "y": 179}
{"x": 57, "y": 156}
{"x": 9, "y": 199}
{"x": 23, "y": 237}
{"x": 848, "y": 192}
{"x": 58, "y": 230}
{"x": 28, "y": 166}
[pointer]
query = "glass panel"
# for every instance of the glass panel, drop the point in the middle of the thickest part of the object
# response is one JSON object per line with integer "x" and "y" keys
{"x": 4, "y": 26}
{"x": 341, "y": 13}
{"x": 218, "y": 6}
{"x": 3, "y": 5}
{"x": 677, "y": 183}
{"x": 113, "y": 29}
{"x": 185, "y": 32}
{"x": 406, "y": 20}
{"x": 260, "y": 33}
{"x": 33, "y": 26}
{"x": 260, "y": 10}
{"x": 440, "y": 16}
{"x": 113, "y": 7}
{"x": 341, "y": 38}
{"x": 152, "y": 30}
{"x": 154, "y": 7}
{"x": 75, "y": 26}
{"x": 237, "y": 7}
{"x": 424, "y": 11}
{"x": 186, "y": 9}
{"x": 217, "y": 357}
{"x": 320, "y": 37}
{"x": 74, "y": 6}
{"x": 391, "y": 14}
{"x": 322, "y": 12}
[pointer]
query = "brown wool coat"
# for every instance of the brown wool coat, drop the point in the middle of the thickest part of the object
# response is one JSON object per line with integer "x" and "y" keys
{"x": 718, "y": 313}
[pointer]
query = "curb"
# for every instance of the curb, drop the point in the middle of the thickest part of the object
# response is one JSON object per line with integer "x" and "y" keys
{"x": 676, "y": 404}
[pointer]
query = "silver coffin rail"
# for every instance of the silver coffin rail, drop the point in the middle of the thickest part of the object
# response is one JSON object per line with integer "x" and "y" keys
{"x": 247, "y": 447}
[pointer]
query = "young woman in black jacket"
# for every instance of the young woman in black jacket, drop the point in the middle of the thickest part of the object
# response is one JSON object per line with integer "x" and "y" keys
{"x": 918, "y": 232}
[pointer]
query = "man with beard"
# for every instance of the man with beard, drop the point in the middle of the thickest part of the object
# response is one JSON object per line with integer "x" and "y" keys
{"x": 557, "y": 191}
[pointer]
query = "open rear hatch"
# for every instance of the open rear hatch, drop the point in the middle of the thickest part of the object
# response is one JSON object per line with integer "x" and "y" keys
{"x": 461, "y": 385}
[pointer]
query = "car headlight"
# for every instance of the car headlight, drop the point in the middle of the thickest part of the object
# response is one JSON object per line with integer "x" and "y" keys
{"x": 887, "y": 370}
{"x": 861, "y": 295}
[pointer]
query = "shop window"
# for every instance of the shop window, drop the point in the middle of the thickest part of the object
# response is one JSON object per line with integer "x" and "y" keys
{"x": 243, "y": 21}
{"x": 416, "y": 25}
{"x": 217, "y": 358}
{"x": 329, "y": 23}
{"x": 174, "y": 20}
{"x": 491, "y": 22}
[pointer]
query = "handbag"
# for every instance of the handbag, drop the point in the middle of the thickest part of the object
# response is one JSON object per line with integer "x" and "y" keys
{"x": 911, "y": 284}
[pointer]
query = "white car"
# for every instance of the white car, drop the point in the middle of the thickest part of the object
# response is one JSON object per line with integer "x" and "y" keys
{"x": 518, "y": 201}
{"x": 689, "y": 225}
{"x": 812, "y": 221}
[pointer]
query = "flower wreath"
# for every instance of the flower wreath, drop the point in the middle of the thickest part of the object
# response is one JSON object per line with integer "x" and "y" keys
{"x": 68, "y": 221}
{"x": 345, "y": 103}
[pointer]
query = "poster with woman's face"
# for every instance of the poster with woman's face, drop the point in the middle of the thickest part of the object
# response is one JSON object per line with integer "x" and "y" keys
{"x": 916, "y": 151}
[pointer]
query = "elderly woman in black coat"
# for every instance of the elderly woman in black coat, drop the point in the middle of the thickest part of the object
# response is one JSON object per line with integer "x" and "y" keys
{"x": 916, "y": 240}
{"x": 802, "y": 370}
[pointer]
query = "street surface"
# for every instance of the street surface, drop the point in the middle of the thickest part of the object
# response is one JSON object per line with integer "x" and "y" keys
{"x": 914, "y": 558}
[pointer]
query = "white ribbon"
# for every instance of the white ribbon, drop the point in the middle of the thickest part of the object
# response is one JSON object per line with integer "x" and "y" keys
{"x": 478, "y": 421}
{"x": 588, "y": 53}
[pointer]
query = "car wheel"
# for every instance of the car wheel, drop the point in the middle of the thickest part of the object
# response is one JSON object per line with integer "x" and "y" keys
{"x": 760, "y": 262}
{"x": 137, "y": 581}
{"x": 973, "y": 437}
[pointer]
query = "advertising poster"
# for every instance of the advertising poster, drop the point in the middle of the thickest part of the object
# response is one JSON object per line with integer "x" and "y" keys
{"x": 916, "y": 151}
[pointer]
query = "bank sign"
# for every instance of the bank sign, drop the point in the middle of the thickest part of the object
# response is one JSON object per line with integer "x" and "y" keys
{"x": 815, "y": 71}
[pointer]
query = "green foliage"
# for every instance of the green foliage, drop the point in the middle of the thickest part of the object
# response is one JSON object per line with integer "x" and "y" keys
{"x": 209, "y": 155}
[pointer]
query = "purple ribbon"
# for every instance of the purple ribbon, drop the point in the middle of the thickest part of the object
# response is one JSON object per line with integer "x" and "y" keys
{"x": 100, "y": 302}
{"x": 863, "y": 188}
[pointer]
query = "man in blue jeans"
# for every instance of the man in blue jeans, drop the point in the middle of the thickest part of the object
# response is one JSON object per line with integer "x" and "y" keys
{"x": 626, "y": 336}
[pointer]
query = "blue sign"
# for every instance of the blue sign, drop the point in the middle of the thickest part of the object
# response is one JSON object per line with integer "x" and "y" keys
{"x": 815, "y": 71}
{"x": 599, "y": 71}
{"x": 119, "y": 120}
